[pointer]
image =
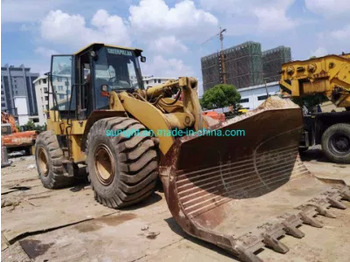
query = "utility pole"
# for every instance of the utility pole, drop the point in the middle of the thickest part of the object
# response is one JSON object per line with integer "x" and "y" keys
{"x": 222, "y": 56}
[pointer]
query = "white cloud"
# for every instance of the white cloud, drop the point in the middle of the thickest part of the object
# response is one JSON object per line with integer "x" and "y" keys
{"x": 45, "y": 52}
{"x": 342, "y": 34}
{"x": 321, "y": 51}
{"x": 242, "y": 16}
{"x": 167, "y": 45}
{"x": 71, "y": 30}
{"x": 328, "y": 8}
{"x": 273, "y": 19}
{"x": 160, "y": 66}
{"x": 153, "y": 18}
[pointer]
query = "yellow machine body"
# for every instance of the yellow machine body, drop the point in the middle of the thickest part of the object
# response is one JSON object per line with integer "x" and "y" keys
{"x": 328, "y": 75}
{"x": 181, "y": 115}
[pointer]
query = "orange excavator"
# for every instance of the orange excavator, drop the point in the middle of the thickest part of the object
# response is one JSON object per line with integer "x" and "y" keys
{"x": 12, "y": 138}
{"x": 215, "y": 115}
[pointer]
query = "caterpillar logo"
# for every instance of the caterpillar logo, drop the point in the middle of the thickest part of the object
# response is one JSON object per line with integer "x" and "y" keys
{"x": 119, "y": 51}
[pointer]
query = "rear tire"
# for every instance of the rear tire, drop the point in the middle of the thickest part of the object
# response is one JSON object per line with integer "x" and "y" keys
{"x": 336, "y": 143}
{"x": 48, "y": 158}
{"x": 123, "y": 170}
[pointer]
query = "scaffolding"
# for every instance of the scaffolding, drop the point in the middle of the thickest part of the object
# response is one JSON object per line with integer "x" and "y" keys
{"x": 211, "y": 67}
{"x": 272, "y": 61}
{"x": 243, "y": 66}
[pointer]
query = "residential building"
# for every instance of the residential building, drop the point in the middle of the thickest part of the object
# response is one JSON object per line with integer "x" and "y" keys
{"x": 22, "y": 115}
{"x": 42, "y": 97}
{"x": 17, "y": 82}
{"x": 44, "y": 94}
{"x": 149, "y": 81}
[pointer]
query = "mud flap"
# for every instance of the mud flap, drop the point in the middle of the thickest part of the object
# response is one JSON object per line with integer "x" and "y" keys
{"x": 243, "y": 193}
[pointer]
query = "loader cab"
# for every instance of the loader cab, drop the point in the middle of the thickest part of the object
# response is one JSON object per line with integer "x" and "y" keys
{"x": 81, "y": 83}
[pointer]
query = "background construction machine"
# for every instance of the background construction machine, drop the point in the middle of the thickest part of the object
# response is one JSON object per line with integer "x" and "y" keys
{"x": 240, "y": 193}
{"x": 330, "y": 76}
{"x": 12, "y": 138}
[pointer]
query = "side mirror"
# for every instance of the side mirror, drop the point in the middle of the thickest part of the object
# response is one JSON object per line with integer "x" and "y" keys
{"x": 143, "y": 59}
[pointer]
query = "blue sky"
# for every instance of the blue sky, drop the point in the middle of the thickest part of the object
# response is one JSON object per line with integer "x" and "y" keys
{"x": 171, "y": 33}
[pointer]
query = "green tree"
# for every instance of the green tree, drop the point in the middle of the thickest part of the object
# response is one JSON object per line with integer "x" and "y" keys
{"x": 220, "y": 96}
{"x": 310, "y": 101}
{"x": 31, "y": 126}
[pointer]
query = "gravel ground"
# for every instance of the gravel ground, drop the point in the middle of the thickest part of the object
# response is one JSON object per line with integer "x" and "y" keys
{"x": 68, "y": 225}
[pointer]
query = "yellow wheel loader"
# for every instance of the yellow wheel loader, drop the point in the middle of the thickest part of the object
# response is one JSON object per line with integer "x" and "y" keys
{"x": 242, "y": 193}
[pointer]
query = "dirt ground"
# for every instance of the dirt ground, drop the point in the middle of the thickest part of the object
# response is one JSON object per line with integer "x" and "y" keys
{"x": 68, "y": 225}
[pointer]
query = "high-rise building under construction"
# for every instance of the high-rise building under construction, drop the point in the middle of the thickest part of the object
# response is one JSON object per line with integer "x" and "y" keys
{"x": 244, "y": 65}
{"x": 272, "y": 60}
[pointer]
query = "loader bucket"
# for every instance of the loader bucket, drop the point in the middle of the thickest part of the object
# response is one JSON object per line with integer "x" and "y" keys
{"x": 243, "y": 193}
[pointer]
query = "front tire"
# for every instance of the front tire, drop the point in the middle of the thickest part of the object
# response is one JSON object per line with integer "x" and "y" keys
{"x": 123, "y": 169}
{"x": 336, "y": 143}
{"x": 48, "y": 158}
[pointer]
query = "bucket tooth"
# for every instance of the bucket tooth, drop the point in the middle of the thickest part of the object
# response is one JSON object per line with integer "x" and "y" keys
{"x": 309, "y": 220}
{"x": 293, "y": 231}
{"x": 324, "y": 212}
{"x": 275, "y": 244}
{"x": 246, "y": 255}
{"x": 346, "y": 195}
{"x": 335, "y": 203}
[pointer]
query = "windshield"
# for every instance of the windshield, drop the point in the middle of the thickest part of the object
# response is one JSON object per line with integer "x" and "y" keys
{"x": 116, "y": 68}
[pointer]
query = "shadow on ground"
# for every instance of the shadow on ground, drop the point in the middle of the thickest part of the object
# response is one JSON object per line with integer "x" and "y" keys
{"x": 177, "y": 229}
{"x": 314, "y": 154}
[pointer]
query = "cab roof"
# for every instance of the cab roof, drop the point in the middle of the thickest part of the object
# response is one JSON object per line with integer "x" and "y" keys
{"x": 114, "y": 46}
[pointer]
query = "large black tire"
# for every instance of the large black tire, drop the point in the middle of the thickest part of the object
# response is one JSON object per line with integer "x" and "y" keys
{"x": 123, "y": 170}
{"x": 48, "y": 158}
{"x": 336, "y": 143}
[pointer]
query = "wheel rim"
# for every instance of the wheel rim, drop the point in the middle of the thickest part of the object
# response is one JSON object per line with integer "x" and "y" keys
{"x": 43, "y": 162}
{"x": 340, "y": 144}
{"x": 104, "y": 165}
